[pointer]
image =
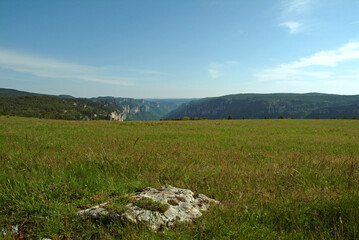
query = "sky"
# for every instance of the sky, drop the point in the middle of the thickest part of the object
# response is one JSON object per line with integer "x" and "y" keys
{"x": 179, "y": 49}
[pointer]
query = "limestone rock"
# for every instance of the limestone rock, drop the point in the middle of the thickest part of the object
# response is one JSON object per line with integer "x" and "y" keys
{"x": 182, "y": 205}
{"x": 14, "y": 231}
{"x": 94, "y": 212}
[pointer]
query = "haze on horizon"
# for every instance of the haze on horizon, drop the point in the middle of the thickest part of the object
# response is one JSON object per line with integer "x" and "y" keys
{"x": 179, "y": 49}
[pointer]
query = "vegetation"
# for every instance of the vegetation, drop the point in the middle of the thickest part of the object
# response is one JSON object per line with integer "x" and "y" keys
{"x": 276, "y": 179}
{"x": 185, "y": 118}
{"x": 54, "y": 108}
{"x": 149, "y": 204}
{"x": 240, "y": 106}
{"x": 26, "y": 104}
{"x": 171, "y": 103}
{"x": 259, "y": 106}
{"x": 4, "y": 92}
{"x": 135, "y": 109}
{"x": 116, "y": 204}
{"x": 140, "y": 109}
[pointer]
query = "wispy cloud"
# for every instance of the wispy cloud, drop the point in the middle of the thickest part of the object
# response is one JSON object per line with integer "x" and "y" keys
{"x": 295, "y": 7}
{"x": 214, "y": 73}
{"x": 293, "y": 27}
{"x": 298, "y": 70}
{"x": 293, "y": 15}
{"x": 218, "y": 69}
{"x": 51, "y": 68}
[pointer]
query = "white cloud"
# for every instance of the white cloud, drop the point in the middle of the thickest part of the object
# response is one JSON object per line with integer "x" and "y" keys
{"x": 295, "y": 71}
{"x": 294, "y": 15}
{"x": 214, "y": 73}
{"x": 328, "y": 58}
{"x": 295, "y": 7}
{"x": 293, "y": 27}
{"x": 217, "y": 69}
{"x": 51, "y": 68}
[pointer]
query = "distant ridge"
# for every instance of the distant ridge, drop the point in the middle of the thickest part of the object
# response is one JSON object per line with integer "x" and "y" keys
{"x": 6, "y": 92}
{"x": 274, "y": 105}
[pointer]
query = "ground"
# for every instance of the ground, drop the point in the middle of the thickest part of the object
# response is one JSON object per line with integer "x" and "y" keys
{"x": 283, "y": 178}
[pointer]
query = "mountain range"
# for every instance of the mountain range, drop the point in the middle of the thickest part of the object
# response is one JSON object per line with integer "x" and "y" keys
{"x": 238, "y": 106}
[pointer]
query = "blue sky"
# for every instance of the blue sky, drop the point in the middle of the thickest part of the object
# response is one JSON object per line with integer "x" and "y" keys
{"x": 179, "y": 49}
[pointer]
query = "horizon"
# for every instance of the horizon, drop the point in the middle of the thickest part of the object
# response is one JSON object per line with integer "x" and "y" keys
{"x": 187, "y": 49}
{"x": 149, "y": 99}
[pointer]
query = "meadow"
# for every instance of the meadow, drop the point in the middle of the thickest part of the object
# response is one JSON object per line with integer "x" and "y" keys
{"x": 275, "y": 178}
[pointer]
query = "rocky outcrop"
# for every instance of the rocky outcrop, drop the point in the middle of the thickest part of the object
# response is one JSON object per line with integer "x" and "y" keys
{"x": 164, "y": 207}
{"x": 117, "y": 116}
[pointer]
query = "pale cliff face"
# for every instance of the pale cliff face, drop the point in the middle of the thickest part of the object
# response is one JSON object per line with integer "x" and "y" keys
{"x": 116, "y": 116}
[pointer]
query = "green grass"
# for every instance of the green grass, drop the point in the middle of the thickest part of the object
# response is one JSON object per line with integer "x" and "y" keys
{"x": 276, "y": 179}
{"x": 149, "y": 204}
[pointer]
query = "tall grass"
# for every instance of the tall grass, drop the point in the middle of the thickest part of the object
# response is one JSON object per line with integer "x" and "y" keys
{"x": 277, "y": 179}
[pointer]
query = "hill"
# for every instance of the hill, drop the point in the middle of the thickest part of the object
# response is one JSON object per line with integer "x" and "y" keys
{"x": 170, "y": 104}
{"x": 21, "y": 103}
{"x": 54, "y": 108}
{"x": 5, "y": 92}
{"x": 310, "y": 105}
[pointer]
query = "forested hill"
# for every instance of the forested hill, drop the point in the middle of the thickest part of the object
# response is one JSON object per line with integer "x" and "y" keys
{"x": 4, "y": 92}
{"x": 21, "y": 103}
{"x": 54, "y": 108}
{"x": 310, "y": 105}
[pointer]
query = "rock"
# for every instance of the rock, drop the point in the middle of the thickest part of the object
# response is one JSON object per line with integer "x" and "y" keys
{"x": 162, "y": 208}
{"x": 94, "y": 212}
{"x": 14, "y": 230}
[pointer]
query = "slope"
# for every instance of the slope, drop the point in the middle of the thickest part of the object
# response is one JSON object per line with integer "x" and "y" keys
{"x": 310, "y": 105}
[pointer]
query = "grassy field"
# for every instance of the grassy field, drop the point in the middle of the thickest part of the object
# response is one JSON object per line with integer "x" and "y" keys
{"x": 277, "y": 179}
